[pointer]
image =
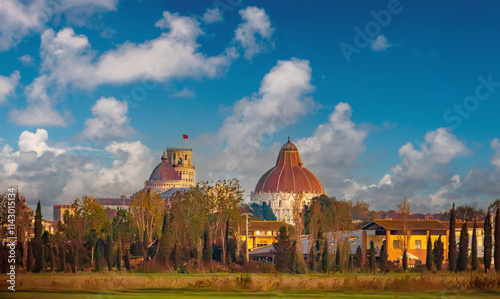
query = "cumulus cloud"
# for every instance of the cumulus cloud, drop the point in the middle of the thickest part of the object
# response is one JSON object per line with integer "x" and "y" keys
{"x": 59, "y": 175}
{"x": 21, "y": 18}
{"x": 421, "y": 169}
{"x": 184, "y": 93}
{"x": 212, "y": 16}
{"x": 8, "y": 85}
{"x": 380, "y": 43}
{"x": 495, "y": 159}
{"x": 40, "y": 110}
{"x": 336, "y": 144}
{"x": 110, "y": 121}
{"x": 254, "y": 34}
{"x": 26, "y": 60}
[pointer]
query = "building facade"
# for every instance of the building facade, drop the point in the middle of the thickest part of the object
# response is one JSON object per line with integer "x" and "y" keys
{"x": 286, "y": 182}
{"x": 176, "y": 170}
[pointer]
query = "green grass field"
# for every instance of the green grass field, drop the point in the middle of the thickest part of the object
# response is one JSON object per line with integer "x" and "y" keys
{"x": 233, "y": 285}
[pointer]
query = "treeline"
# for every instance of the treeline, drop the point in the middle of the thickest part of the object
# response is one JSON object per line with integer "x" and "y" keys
{"x": 198, "y": 226}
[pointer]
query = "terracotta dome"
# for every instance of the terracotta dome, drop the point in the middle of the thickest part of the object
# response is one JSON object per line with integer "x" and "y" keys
{"x": 289, "y": 175}
{"x": 164, "y": 171}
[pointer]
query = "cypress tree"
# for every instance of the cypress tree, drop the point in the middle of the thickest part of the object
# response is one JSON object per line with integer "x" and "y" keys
{"x": 126, "y": 259}
{"x": 429, "y": 258}
{"x": 452, "y": 244}
{"x": 119, "y": 252}
{"x": 63, "y": 259}
{"x": 324, "y": 256}
{"x": 337, "y": 258}
{"x": 207, "y": 246}
{"x": 438, "y": 253}
{"x": 487, "y": 242}
{"x": 372, "y": 257}
{"x": 383, "y": 257}
{"x": 463, "y": 249}
{"x": 312, "y": 258}
{"x": 359, "y": 257}
{"x": 29, "y": 261}
{"x": 37, "y": 241}
{"x": 473, "y": 260}
{"x": 497, "y": 240}
{"x": 405, "y": 260}
{"x": 282, "y": 250}
{"x": 52, "y": 260}
{"x": 109, "y": 252}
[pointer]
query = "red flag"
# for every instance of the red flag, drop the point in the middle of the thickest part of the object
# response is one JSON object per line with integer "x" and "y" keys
{"x": 184, "y": 136}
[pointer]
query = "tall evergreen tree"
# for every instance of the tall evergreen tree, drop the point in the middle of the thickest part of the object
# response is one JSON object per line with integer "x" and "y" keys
{"x": 282, "y": 250}
{"x": 496, "y": 257}
{"x": 359, "y": 257}
{"x": 452, "y": 244}
{"x": 463, "y": 246}
{"x": 118, "y": 252}
{"x": 473, "y": 253}
{"x": 29, "y": 261}
{"x": 337, "y": 259}
{"x": 109, "y": 252}
{"x": 405, "y": 260}
{"x": 37, "y": 241}
{"x": 267, "y": 212}
{"x": 487, "y": 242}
{"x": 324, "y": 256}
{"x": 207, "y": 245}
{"x": 438, "y": 253}
{"x": 383, "y": 257}
{"x": 372, "y": 258}
{"x": 312, "y": 258}
{"x": 429, "y": 258}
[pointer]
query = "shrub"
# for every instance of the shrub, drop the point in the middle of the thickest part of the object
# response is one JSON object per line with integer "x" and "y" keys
{"x": 244, "y": 281}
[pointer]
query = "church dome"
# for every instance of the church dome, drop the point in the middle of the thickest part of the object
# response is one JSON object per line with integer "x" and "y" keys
{"x": 289, "y": 175}
{"x": 164, "y": 171}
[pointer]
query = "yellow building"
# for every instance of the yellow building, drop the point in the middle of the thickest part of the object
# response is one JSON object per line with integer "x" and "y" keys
{"x": 261, "y": 233}
{"x": 417, "y": 232}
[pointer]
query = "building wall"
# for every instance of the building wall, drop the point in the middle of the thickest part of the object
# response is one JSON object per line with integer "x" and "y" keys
{"x": 281, "y": 203}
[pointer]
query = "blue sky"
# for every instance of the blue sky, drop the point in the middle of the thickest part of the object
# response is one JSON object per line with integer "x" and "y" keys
{"x": 384, "y": 99}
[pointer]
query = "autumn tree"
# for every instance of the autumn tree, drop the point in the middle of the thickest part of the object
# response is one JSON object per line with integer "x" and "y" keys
{"x": 404, "y": 213}
{"x": 487, "y": 242}
{"x": 452, "y": 244}
{"x": 463, "y": 252}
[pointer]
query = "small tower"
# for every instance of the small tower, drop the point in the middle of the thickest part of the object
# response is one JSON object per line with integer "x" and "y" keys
{"x": 181, "y": 160}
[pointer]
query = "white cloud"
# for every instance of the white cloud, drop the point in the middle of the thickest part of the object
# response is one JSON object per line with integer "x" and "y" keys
{"x": 110, "y": 121}
{"x": 21, "y": 18}
{"x": 184, "y": 93}
{"x": 336, "y": 144}
{"x": 380, "y": 43}
{"x": 40, "y": 110}
{"x": 495, "y": 159}
{"x": 212, "y": 16}
{"x": 26, "y": 60}
{"x": 254, "y": 34}
{"x": 446, "y": 193}
{"x": 8, "y": 85}
{"x": 58, "y": 176}
{"x": 281, "y": 101}
{"x": 36, "y": 142}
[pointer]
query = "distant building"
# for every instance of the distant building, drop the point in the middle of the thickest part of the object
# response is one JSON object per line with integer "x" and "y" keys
{"x": 261, "y": 233}
{"x": 418, "y": 231}
{"x": 176, "y": 171}
{"x": 281, "y": 185}
{"x": 59, "y": 211}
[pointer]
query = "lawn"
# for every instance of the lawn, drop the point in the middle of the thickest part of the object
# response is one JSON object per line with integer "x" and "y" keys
{"x": 233, "y": 285}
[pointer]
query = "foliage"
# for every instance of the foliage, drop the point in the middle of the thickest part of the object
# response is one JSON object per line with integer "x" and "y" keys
{"x": 404, "y": 212}
{"x": 405, "y": 260}
{"x": 282, "y": 249}
{"x": 38, "y": 246}
{"x": 487, "y": 242}
{"x": 429, "y": 257}
{"x": 263, "y": 211}
{"x": 496, "y": 256}
{"x": 324, "y": 256}
{"x": 452, "y": 245}
{"x": 383, "y": 257}
{"x": 371, "y": 258}
{"x": 147, "y": 209}
{"x": 463, "y": 252}
{"x": 438, "y": 253}
{"x": 359, "y": 257}
{"x": 474, "y": 262}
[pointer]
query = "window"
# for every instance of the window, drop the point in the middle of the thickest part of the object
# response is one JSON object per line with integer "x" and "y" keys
{"x": 257, "y": 233}
{"x": 269, "y": 233}
{"x": 395, "y": 244}
{"x": 418, "y": 244}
